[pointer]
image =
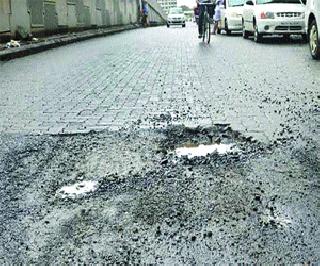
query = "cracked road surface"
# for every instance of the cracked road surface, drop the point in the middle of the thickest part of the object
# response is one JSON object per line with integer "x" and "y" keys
{"x": 89, "y": 169}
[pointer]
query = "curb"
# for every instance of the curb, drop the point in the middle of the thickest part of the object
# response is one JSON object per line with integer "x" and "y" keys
{"x": 35, "y": 48}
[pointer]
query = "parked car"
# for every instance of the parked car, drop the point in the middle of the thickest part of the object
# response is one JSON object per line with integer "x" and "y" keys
{"x": 176, "y": 17}
{"x": 273, "y": 17}
{"x": 313, "y": 27}
{"x": 231, "y": 16}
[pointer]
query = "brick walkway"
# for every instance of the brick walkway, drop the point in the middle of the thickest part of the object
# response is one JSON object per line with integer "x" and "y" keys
{"x": 263, "y": 90}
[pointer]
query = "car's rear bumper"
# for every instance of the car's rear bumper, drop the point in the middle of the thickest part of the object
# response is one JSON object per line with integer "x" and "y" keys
{"x": 281, "y": 27}
{"x": 176, "y": 22}
{"x": 235, "y": 23}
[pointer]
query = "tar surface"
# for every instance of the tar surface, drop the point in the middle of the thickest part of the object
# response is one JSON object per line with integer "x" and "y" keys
{"x": 137, "y": 201}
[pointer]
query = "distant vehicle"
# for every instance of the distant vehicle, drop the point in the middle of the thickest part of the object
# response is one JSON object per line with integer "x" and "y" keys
{"x": 176, "y": 17}
{"x": 273, "y": 17}
{"x": 231, "y": 16}
{"x": 313, "y": 27}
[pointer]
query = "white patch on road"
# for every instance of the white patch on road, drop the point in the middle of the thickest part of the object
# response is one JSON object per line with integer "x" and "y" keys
{"x": 276, "y": 220}
{"x": 78, "y": 189}
{"x": 203, "y": 150}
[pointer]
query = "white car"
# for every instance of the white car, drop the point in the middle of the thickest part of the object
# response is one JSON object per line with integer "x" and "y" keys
{"x": 176, "y": 17}
{"x": 273, "y": 17}
{"x": 231, "y": 16}
{"x": 313, "y": 26}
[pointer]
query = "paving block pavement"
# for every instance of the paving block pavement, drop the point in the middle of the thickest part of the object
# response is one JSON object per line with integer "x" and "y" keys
{"x": 262, "y": 90}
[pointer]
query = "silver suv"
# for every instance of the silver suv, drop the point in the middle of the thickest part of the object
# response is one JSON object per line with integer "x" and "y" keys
{"x": 313, "y": 27}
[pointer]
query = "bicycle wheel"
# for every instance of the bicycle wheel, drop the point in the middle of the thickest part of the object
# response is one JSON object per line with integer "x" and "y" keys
{"x": 204, "y": 25}
{"x": 206, "y": 28}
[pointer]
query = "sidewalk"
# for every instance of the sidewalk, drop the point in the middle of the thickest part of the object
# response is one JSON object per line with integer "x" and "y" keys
{"x": 43, "y": 44}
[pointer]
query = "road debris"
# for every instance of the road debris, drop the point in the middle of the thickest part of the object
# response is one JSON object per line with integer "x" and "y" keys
{"x": 78, "y": 189}
{"x": 13, "y": 44}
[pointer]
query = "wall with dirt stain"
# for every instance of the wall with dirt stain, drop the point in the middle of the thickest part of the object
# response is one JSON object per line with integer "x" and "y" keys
{"x": 51, "y": 16}
{"x": 14, "y": 15}
{"x": 4, "y": 15}
{"x": 156, "y": 13}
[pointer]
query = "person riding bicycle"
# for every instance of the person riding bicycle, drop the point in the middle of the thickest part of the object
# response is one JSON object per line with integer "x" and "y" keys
{"x": 201, "y": 13}
{"x": 196, "y": 14}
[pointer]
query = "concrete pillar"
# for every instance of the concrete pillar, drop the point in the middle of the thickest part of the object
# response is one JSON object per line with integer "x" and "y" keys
{"x": 93, "y": 12}
{"x": 99, "y": 10}
{"x": 4, "y": 16}
{"x": 19, "y": 16}
{"x": 50, "y": 16}
{"x": 62, "y": 10}
{"x": 72, "y": 17}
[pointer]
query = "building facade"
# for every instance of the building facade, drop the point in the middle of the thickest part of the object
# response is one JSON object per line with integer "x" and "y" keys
{"x": 167, "y": 4}
{"x": 52, "y": 16}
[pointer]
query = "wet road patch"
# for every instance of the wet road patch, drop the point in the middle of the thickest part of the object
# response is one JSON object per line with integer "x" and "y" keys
{"x": 78, "y": 189}
{"x": 193, "y": 150}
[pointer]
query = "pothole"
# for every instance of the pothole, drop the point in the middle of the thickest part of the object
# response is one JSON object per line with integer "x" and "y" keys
{"x": 196, "y": 142}
{"x": 78, "y": 189}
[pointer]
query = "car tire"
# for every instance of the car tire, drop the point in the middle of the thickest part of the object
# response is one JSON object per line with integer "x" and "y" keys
{"x": 219, "y": 31}
{"x": 245, "y": 33}
{"x": 305, "y": 38}
{"x": 183, "y": 25}
{"x": 314, "y": 42}
{"x": 286, "y": 38}
{"x": 228, "y": 32}
{"x": 257, "y": 36}
{"x": 168, "y": 26}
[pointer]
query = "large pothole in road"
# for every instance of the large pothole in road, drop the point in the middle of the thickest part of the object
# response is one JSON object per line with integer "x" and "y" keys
{"x": 205, "y": 144}
{"x": 67, "y": 162}
{"x": 119, "y": 159}
{"x": 132, "y": 195}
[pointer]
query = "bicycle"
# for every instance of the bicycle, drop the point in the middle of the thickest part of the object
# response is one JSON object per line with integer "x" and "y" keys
{"x": 206, "y": 23}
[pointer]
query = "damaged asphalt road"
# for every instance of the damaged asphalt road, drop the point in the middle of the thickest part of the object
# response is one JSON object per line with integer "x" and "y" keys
{"x": 99, "y": 145}
{"x": 128, "y": 197}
